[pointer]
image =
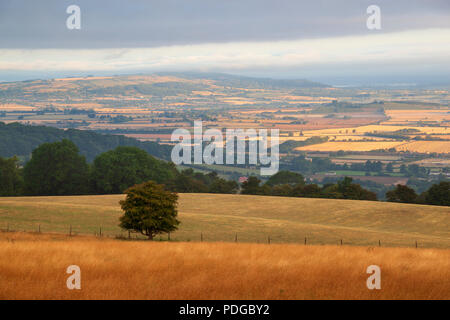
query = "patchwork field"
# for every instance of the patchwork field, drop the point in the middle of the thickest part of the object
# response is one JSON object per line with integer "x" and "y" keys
{"x": 249, "y": 218}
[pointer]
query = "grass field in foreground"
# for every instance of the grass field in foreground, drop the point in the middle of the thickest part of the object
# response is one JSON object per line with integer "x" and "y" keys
{"x": 34, "y": 267}
{"x": 252, "y": 218}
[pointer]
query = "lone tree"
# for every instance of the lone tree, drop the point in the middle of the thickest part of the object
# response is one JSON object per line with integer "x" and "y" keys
{"x": 149, "y": 210}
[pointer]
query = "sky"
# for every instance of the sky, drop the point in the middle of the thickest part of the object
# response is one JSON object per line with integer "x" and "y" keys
{"x": 319, "y": 40}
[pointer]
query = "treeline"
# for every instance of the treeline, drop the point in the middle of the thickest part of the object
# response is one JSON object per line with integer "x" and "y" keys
{"x": 290, "y": 184}
{"x": 438, "y": 194}
{"x": 314, "y": 165}
{"x": 20, "y": 140}
{"x": 58, "y": 168}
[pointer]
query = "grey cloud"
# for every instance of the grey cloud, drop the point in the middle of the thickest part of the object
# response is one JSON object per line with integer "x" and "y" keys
{"x": 139, "y": 23}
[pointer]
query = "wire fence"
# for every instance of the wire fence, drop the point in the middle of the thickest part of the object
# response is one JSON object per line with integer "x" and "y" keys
{"x": 99, "y": 232}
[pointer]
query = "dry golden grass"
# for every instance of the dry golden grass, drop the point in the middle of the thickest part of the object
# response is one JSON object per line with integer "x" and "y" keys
{"x": 34, "y": 267}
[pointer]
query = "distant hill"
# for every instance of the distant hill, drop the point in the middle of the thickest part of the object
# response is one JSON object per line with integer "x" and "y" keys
{"x": 21, "y": 140}
{"x": 154, "y": 86}
{"x": 229, "y": 80}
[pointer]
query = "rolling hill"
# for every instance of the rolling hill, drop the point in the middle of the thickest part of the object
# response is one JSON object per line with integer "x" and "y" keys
{"x": 20, "y": 140}
{"x": 249, "y": 218}
{"x": 157, "y": 84}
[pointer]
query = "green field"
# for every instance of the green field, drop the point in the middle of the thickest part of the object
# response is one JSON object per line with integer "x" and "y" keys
{"x": 252, "y": 218}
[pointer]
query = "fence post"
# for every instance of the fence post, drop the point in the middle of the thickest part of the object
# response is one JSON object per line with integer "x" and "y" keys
{"x": 305, "y": 241}
{"x": 341, "y": 242}
{"x": 129, "y": 235}
{"x": 100, "y": 231}
{"x": 168, "y": 236}
{"x": 416, "y": 244}
{"x": 379, "y": 243}
{"x": 201, "y": 236}
{"x": 70, "y": 231}
{"x": 268, "y": 239}
{"x": 235, "y": 238}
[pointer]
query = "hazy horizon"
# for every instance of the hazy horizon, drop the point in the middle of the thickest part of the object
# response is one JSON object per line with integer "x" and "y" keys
{"x": 323, "y": 41}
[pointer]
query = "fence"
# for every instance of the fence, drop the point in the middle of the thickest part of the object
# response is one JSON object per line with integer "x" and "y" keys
{"x": 235, "y": 237}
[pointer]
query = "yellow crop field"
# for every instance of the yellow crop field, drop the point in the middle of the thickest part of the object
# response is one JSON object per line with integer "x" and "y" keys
{"x": 417, "y": 115}
{"x": 374, "y": 129}
{"x": 16, "y": 107}
{"x": 351, "y": 146}
{"x": 426, "y": 146}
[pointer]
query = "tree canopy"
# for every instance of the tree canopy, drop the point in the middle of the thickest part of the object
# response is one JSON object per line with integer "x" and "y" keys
{"x": 402, "y": 193}
{"x": 118, "y": 169}
{"x": 149, "y": 209}
{"x": 20, "y": 140}
{"x": 439, "y": 194}
{"x": 285, "y": 177}
{"x": 11, "y": 180}
{"x": 56, "y": 169}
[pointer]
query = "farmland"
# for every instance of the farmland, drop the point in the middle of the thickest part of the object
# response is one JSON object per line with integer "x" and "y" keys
{"x": 416, "y": 146}
{"x": 248, "y": 218}
{"x": 425, "y": 146}
{"x": 351, "y": 146}
{"x": 410, "y": 124}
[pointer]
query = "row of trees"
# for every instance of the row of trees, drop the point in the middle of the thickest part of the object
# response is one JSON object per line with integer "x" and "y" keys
{"x": 438, "y": 194}
{"x": 58, "y": 169}
{"x": 301, "y": 164}
{"x": 290, "y": 184}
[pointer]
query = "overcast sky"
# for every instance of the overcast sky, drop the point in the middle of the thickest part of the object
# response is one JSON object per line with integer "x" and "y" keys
{"x": 318, "y": 40}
